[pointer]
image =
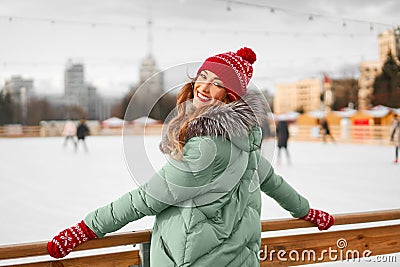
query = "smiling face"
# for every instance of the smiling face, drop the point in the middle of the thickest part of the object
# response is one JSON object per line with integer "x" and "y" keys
{"x": 208, "y": 87}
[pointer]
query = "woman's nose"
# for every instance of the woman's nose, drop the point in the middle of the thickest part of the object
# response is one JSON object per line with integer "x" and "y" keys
{"x": 205, "y": 86}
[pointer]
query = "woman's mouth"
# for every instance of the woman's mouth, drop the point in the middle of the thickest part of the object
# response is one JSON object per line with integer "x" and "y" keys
{"x": 202, "y": 97}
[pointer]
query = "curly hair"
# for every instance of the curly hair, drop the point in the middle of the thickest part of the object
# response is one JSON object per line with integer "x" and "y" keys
{"x": 176, "y": 128}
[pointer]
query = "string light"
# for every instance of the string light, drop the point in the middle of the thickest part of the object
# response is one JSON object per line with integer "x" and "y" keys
{"x": 75, "y": 22}
{"x": 310, "y": 17}
{"x": 228, "y": 5}
{"x": 272, "y": 9}
{"x": 191, "y": 29}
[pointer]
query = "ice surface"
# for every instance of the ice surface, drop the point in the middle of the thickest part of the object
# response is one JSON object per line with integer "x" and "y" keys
{"x": 46, "y": 187}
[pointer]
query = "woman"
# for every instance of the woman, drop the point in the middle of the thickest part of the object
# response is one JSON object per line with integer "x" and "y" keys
{"x": 207, "y": 198}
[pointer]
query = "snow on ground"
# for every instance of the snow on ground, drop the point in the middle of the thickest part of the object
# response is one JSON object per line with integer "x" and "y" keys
{"x": 46, "y": 187}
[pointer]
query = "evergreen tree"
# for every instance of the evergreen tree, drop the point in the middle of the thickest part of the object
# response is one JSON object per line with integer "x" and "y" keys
{"x": 387, "y": 84}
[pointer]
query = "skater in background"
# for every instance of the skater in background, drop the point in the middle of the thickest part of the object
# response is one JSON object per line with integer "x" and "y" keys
{"x": 81, "y": 132}
{"x": 326, "y": 131}
{"x": 69, "y": 132}
{"x": 282, "y": 133}
{"x": 395, "y": 136}
{"x": 207, "y": 212}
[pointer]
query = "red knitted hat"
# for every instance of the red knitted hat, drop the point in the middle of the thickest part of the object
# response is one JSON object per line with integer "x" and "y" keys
{"x": 234, "y": 69}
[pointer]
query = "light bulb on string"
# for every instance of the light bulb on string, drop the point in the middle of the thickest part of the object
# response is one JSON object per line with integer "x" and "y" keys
{"x": 228, "y": 6}
{"x": 310, "y": 17}
{"x": 371, "y": 27}
{"x": 344, "y": 24}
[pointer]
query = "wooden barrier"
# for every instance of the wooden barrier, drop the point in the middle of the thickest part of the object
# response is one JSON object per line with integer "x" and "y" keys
{"x": 291, "y": 250}
{"x": 19, "y": 131}
{"x": 283, "y": 250}
{"x": 359, "y": 134}
{"x": 37, "y": 131}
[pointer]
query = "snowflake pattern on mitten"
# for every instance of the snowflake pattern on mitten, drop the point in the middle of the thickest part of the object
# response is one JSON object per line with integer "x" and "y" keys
{"x": 323, "y": 219}
{"x": 63, "y": 243}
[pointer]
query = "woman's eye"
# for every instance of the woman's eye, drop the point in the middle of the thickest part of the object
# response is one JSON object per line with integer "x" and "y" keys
{"x": 217, "y": 84}
{"x": 203, "y": 76}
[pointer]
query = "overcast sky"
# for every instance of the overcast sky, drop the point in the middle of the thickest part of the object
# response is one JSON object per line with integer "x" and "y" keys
{"x": 110, "y": 37}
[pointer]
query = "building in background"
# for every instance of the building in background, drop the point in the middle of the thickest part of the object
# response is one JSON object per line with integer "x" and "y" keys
{"x": 20, "y": 91}
{"x": 145, "y": 98}
{"x": 92, "y": 102}
{"x": 74, "y": 85}
{"x": 17, "y": 86}
{"x": 301, "y": 96}
{"x": 77, "y": 92}
{"x": 389, "y": 42}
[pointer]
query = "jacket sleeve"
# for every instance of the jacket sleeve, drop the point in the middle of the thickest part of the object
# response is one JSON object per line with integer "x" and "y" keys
{"x": 277, "y": 188}
{"x": 129, "y": 207}
{"x": 176, "y": 182}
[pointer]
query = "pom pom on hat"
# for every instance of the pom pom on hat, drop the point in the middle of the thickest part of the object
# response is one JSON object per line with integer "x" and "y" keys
{"x": 247, "y": 54}
{"x": 234, "y": 69}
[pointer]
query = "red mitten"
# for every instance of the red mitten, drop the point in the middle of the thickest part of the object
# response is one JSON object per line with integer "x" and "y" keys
{"x": 63, "y": 243}
{"x": 323, "y": 219}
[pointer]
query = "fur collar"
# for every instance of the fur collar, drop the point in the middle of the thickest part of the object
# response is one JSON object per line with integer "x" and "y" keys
{"x": 233, "y": 119}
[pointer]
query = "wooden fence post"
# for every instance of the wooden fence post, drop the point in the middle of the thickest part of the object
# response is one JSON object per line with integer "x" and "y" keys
{"x": 144, "y": 254}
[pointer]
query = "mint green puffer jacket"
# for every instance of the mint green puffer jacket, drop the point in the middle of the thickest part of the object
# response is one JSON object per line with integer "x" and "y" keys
{"x": 208, "y": 205}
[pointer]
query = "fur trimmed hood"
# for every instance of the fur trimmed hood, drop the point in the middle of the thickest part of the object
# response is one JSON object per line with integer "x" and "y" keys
{"x": 231, "y": 121}
{"x": 234, "y": 119}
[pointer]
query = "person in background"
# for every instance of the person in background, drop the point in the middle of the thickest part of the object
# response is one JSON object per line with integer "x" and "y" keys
{"x": 81, "y": 132}
{"x": 395, "y": 136}
{"x": 326, "y": 131}
{"x": 69, "y": 132}
{"x": 282, "y": 132}
{"x": 207, "y": 197}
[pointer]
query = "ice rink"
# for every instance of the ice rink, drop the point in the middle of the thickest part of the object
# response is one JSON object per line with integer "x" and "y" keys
{"x": 46, "y": 187}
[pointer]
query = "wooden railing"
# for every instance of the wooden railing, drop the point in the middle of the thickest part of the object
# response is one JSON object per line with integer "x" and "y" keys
{"x": 37, "y": 131}
{"x": 361, "y": 134}
{"x": 19, "y": 131}
{"x": 283, "y": 250}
